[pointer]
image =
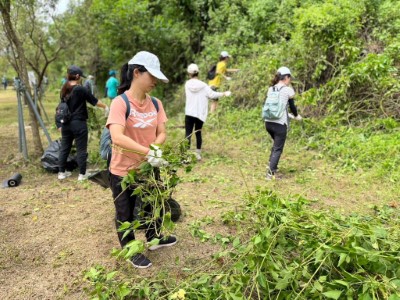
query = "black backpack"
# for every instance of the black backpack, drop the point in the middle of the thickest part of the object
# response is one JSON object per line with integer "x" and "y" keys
{"x": 212, "y": 72}
{"x": 63, "y": 114}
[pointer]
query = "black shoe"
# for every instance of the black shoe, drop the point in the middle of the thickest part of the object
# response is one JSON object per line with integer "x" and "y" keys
{"x": 140, "y": 261}
{"x": 164, "y": 242}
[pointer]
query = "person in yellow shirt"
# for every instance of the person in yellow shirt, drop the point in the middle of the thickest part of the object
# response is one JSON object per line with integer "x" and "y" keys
{"x": 220, "y": 75}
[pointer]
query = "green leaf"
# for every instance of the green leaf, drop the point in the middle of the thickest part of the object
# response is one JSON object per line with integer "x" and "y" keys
{"x": 153, "y": 242}
{"x": 236, "y": 242}
{"x": 111, "y": 275}
{"x": 262, "y": 280}
{"x": 318, "y": 286}
{"x": 282, "y": 284}
{"x": 124, "y": 226}
{"x": 322, "y": 279}
{"x": 396, "y": 283}
{"x": 334, "y": 294}
{"x": 318, "y": 255}
{"x": 123, "y": 291}
{"x": 342, "y": 282}
{"x": 342, "y": 258}
{"x": 234, "y": 297}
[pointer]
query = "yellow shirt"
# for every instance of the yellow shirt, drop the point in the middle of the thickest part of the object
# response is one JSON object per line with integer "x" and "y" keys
{"x": 221, "y": 70}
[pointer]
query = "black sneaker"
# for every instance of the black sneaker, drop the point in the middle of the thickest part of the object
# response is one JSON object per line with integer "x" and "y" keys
{"x": 140, "y": 261}
{"x": 164, "y": 242}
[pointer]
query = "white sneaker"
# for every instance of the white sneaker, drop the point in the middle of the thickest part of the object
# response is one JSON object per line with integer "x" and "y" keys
{"x": 63, "y": 175}
{"x": 82, "y": 177}
{"x": 198, "y": 154}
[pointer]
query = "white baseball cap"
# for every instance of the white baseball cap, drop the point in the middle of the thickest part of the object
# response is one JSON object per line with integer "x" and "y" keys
{"x": 192, "y": 68}
{"x": 225, "y": 54}
{"x": 150, "y": 62}
{"x": 284, "y": 71}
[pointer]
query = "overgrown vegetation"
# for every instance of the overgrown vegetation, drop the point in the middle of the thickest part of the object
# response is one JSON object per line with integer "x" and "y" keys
{"x": 285, "y": 250}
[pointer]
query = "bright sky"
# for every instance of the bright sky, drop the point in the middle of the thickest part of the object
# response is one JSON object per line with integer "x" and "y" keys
{"x": 62, "y": 6}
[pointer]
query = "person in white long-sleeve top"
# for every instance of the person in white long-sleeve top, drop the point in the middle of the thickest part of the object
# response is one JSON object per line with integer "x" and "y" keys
{"x": 196, "y": 109}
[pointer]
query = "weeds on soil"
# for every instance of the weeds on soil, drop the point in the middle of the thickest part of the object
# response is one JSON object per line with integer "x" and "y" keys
{"x": 284, "y": 250}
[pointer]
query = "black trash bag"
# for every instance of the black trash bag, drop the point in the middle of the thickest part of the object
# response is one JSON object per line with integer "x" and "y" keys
{"x": 102, "y": 178}
{"x": 173, "y": 206}
{"x": 49, "y": 158}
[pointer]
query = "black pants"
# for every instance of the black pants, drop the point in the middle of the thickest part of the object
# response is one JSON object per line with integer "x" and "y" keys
{"x": 197, "y": 124}
{"x": 75, "y": 130}
{"x": 278, "y": 133}
{"x": 128, "y": 208}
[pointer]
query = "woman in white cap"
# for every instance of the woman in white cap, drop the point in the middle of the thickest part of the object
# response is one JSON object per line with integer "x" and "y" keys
{"x": 76, "y": 96}
{"x": 196, "y": 109}
{"x": 139, "y": 132}
{"x": 277, "y": 128}
{"x": 220, "y": 74}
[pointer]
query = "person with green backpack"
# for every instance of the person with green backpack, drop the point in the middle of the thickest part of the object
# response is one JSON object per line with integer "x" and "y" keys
{"x": 276, "y": 117}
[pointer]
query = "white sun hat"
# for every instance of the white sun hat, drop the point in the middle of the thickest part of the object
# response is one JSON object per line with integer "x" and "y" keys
{"x": 225, "y": 54}
{"x": 192, "y": 68}
{"x": 150, "y": 62}
{"x": 284, "y": 71}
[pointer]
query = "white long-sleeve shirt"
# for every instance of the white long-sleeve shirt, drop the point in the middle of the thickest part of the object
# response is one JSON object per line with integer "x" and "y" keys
{"x": 197, "y": 95}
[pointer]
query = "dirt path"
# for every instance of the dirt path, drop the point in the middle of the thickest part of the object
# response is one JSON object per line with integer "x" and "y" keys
{"x": 52, "y": 231}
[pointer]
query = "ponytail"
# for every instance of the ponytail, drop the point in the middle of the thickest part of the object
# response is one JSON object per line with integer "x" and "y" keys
{"x": 278, "y": 77}
{"x": 127, "y": 76}
{"x": 67, "y": 87}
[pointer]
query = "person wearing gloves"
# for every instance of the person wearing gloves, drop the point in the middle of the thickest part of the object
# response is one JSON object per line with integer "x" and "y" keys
{"x": 76, "y": 129}
{"x": 196, "y": 109}
{"x": 278, "y": 128}
{"x": 135, "y": 140}
{"x": 220, "y": 75}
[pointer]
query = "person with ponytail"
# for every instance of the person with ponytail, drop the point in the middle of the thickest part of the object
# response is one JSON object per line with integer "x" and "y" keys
{"x": 135, "y": 140}
{"x": 76, "y": 96}
{"x": 277, "y": 128}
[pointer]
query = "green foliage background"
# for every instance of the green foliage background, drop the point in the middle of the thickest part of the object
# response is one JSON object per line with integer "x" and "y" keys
{"x": 344, "y": 54}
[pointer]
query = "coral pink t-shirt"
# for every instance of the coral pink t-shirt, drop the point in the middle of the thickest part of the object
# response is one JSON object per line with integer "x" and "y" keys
{"x": 141, "y": 126}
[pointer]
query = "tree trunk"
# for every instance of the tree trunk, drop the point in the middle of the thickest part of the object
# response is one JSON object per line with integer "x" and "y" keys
{"x": 20, "y": 64}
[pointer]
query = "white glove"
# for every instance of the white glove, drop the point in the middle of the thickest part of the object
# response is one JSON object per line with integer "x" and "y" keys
{"x": 227, "y": 93}
{"x": 228, "y": 78}
{"x": 298, "y": 118}
{"x": 290, "y": 116}
{"x": 154, "y": 157}
{"x": 106, "y": 111}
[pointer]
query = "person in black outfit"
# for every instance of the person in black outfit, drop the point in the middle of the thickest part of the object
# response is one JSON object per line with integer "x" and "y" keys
{"x": 76, "y": 129}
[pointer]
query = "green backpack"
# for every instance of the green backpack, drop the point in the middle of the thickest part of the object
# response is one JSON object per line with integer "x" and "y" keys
{"x": 273, "y": 108}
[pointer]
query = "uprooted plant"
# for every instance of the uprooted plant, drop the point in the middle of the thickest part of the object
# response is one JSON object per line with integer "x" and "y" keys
{"x": 154, "y": 187}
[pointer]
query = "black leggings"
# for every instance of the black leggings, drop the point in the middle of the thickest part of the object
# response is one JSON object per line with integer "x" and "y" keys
{"x": 128, "y": 208}
{"x": 278, "y": 133}
{"x": 75, "y": 130}
{"x": 197, "y": 124}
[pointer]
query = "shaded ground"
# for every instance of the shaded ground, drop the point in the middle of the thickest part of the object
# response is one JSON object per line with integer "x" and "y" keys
{"x": 52, "y": 231}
